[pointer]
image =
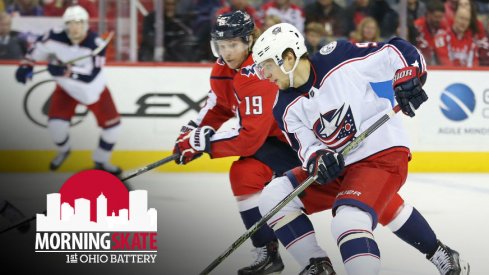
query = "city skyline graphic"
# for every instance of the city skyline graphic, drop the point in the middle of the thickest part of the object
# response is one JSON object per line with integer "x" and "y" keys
{"x": 66, "y": 218}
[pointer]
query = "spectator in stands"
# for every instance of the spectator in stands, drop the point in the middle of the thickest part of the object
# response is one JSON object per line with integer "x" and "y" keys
{"x": 367, "y": 31}
{"x": 179, "y": 42}
{"x": 58, "y": 7}
{"x": 415, "y": 9}
{"x": 269, "y": 21}
{"x": 315, "y": 36}
{"x": 25, "y": 8}
{"x": 427, "y": 27}
{"x": 450, "y": 8}
{"x": 477, "y": 28}
{"x": 455, "y": 46}
{"x": 328, "y": 13}
{"x": 2, "y": 6}
{"x": 380, "y": 10}
{"x": 205, "y": 11}
{"x": 288, "y": 12}
{"x": 11, "y": 46}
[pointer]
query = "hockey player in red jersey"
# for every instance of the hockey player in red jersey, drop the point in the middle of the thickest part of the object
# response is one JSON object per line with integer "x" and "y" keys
{"x": 237, "y": 93}
{"x": 80, "y": 83}
{"x": 325, "y": 101}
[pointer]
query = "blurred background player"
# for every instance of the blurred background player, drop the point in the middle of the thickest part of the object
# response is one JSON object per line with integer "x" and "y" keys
{"x": 80, "y": 83}
{"x": 236, "y": 92}
{"x": 324, "y": 102}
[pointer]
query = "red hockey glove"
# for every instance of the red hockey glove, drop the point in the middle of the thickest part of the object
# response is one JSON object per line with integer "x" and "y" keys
{"x": 408, "y": 89}
{"x": 326, "y": 164}
{"x": 192, "y": 144}
{"x": 183, "y": 132}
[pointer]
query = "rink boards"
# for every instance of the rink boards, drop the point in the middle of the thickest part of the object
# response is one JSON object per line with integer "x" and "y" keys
{"x": 448, "y": 134}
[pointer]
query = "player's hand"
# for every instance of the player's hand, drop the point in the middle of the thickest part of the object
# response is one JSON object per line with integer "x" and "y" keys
{"x": 326, "y": 164}
{"x": 408, "y": 89}
{"x": 58, "y": 70}
{"x": 183, "y": 132}
{"x": 192, "y": 144}
{"x": 24, "y": 72}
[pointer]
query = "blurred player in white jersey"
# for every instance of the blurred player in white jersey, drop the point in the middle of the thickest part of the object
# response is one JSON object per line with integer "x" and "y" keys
{"x": 325, "y": 101}
{"x": 82, "y": 82}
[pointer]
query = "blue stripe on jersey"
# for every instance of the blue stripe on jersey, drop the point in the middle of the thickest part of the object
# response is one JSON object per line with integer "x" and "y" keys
{"x": 89, "y": 42}
{"x": 87, "y": 78}
{"x": 358, "y": 247}
{"x": 294, "y": 230}
{"x": 384, "y": 90}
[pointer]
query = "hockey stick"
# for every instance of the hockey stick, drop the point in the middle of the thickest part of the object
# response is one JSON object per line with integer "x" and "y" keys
{"x": 93, "y": 53}
{"x": 151, "y": 166}
{"x": 299, "y": 189}
{"x": 137, "y": 173}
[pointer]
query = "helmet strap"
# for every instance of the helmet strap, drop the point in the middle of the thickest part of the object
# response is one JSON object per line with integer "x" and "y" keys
{"x": 291, "y": 72}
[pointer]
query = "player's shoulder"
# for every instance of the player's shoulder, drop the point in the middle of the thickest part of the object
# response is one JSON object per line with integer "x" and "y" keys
{"x": 331, "y": 55}
{"x": 221, "y": 71}
{"x": 57, "y": 34}
{"x": 246, "y": 82}
{"x": 92, "y": 40}
{"x": 285, "y": 98}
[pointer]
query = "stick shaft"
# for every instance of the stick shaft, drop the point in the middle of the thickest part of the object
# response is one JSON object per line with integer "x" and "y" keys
{"x": 151, "y": 166}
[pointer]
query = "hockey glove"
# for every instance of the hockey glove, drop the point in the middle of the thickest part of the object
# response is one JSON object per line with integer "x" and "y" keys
{"x": 408, "y": 89}
{"x": 23, "y": 73}
{"x": 192, "y": 144}
{"x": 183, "y": 132}
{"x": 326, "y": 164}
{"x": 58, "y": 70}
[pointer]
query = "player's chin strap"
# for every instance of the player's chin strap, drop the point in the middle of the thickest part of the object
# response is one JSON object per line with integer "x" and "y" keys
{"x": 291, "y": 72}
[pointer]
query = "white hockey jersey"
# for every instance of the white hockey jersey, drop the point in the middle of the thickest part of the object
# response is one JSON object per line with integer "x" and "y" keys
{"x": 349, "y": 88}
{"x": 87, "y": 81}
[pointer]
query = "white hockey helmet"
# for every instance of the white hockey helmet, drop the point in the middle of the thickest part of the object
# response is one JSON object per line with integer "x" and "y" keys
{"x": 76, "y": 13}
{"x": 273, "y": 42}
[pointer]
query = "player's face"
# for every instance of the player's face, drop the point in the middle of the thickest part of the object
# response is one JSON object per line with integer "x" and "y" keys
{"x": 76, "y": 31}
{"x": 233, "y": 51}
{"x": 268, "y": 69}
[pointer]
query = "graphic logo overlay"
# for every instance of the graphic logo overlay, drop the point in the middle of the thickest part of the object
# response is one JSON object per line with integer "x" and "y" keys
{"x": 95, "y": 219}
{"x": 457, "y": 102}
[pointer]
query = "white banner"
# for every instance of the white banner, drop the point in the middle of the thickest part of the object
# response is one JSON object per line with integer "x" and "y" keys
{"x": 156, "y": 101}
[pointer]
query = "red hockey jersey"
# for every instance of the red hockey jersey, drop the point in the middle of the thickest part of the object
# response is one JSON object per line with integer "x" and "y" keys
{"x": 239, "y": 93}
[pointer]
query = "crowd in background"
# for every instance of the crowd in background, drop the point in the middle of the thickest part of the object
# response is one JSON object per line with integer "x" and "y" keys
{"x": 450, "y": 33}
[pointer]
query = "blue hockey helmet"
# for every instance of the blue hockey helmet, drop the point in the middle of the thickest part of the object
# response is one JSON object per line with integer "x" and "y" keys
{"x": 236, "y": 24}
{"x": 232, "y": 25}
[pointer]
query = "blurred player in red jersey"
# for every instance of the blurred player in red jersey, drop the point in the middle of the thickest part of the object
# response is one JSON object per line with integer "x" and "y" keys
{"x": 263, "y": 150}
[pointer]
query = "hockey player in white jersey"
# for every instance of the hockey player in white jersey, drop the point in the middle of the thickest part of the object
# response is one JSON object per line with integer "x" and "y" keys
{"x": 82, "y": 82}
{"x": 324, "y": 102}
